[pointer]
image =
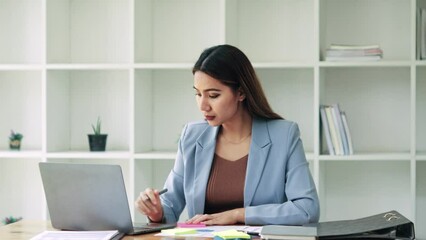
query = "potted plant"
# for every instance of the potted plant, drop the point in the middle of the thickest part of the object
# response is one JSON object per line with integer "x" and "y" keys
{"x": 9, "y": 220}
{"x": 15, "y": 139}
{"x": 97, "y": 141}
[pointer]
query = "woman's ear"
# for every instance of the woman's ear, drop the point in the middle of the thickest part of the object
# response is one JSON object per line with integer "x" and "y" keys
{"x": 241, "y": 95}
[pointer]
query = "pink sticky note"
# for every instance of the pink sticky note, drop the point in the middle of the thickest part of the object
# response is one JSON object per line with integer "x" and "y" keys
{"x": 190, "y": 225}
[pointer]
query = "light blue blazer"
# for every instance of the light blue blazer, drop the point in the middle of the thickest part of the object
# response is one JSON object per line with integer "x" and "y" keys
{"x": 278, "y": 187}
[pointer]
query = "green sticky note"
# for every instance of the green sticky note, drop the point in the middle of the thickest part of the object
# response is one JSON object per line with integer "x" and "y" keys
{"x": 179, "y": 231}
{"x": 229, "y": 234}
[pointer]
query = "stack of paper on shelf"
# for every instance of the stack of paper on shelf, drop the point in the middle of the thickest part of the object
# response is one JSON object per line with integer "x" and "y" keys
{"x": 339, "y": 52}
{"x": 336, "y": 130}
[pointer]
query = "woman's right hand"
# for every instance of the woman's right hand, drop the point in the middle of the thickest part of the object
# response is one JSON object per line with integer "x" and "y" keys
{"x": 149, "y": 203}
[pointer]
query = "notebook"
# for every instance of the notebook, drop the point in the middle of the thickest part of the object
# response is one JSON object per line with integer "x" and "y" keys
{"x": 89, "y": 197}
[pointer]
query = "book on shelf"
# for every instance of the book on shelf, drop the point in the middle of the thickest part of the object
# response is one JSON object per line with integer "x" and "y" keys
{"x": 353, "y": 52}
{"x": 352, "y": 46}
{"x": 418, "y": 32}
{"x": 387, "y": 225}
{"x": 336, "y": 130}
{"x": 421, "y": 33}
{"x": 340, "y": 52}
{"x": 352, "y": 58}
{"x": 333, "y": 131}
{"x": 341, "y": 130}
{"x": 336, "y": 122}
{"x": 348, "y": 133}
{"x": 326, "y": 130}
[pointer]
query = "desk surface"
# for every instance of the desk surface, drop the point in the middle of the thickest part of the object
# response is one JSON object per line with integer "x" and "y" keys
{"x": 25, "y": 229}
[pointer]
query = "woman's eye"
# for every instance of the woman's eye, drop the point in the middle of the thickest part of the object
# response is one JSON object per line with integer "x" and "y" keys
{"x": 214, "y": 96}
{"x": 198, "y": 94}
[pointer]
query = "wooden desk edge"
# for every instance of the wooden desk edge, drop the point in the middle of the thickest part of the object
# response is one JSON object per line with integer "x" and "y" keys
{"x": 26, "y": 229}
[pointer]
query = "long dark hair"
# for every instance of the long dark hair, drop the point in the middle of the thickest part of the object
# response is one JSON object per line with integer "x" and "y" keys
{"x": 231, "y": 66}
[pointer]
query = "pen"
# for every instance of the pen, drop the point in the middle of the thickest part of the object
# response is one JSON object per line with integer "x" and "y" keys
{"x": 162, "y": 191}
{"x": 251, "y": 233}
{"x": 146, "y": 198}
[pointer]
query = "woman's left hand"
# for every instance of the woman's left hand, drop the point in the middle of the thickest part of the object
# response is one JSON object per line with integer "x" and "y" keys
{"x": 223, "y": 218}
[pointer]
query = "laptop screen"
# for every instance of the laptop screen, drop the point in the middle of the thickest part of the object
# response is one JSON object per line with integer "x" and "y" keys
{"x": 86, "y": 197}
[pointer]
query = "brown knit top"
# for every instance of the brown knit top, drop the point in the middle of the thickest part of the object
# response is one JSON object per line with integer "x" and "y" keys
{"x": 225, "y": 188}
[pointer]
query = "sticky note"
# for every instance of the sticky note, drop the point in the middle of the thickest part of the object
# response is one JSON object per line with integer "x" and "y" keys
{"x": 179, "y": 231}
{"x": 191, "y": 225}
{"x": 230, "y": 234}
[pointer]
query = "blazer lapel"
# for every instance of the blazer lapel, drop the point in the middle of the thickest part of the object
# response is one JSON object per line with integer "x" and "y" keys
{"x": 258, "y": 154}
{"x": 204, "y": 154}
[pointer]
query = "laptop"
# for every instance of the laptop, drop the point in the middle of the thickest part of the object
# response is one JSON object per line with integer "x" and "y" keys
{"x": 90, "y": 197}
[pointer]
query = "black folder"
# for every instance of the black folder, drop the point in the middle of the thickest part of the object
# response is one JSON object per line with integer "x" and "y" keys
{"x": 388, "y": 225}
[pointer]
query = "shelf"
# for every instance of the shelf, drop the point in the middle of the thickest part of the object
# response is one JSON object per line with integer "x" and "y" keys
{"x": 170, "y": 66}
{"x": 421, "y": 63}
{"x": 20, "y": 154}
{"x": 381, "y": 63}
{"x": 368, "y": 157}
{"x": 76, "y": 98}
{"x": 421, "y": 109}
{"x": 156, "y": 155}
{"x": 88, "y": 31}
{"x": 288, "y": 37}
{"x": 175, "y": 31}
{"x": 155, "y": 89}
{"x": 283, "y": 86}
{"x": 347, "y": 185}
{"x": 359, "y": 22}
{"x": 21, "y": 67}
{"x": 371, "y": 97}
{"x": 283, "y": 65}
{"x": 89, "y": 155}
{"x": 22, "y": 31}
{"x": 21, "y": 101}
{"x": 420, "y": 199}
{"x": 90, "y": 66}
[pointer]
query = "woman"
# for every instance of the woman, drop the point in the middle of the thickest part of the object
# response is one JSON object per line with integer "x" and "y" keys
{"x": 244, "y": 163}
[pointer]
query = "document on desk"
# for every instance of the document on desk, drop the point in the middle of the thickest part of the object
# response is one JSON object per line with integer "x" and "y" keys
{"x": 209, "y": 231}
{"x": 73, "y": 235}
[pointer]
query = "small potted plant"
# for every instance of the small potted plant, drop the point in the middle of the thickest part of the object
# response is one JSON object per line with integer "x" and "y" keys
{"x": 97, "y": 141}
{"x": 9, "y": 220}
{"x": 15, "y": 139}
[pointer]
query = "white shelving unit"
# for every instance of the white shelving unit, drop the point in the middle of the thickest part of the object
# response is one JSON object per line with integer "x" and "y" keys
{"x": 63, "y": 63}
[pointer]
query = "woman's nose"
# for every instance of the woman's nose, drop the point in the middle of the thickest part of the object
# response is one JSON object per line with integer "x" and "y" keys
{"x": 204, "y": 104}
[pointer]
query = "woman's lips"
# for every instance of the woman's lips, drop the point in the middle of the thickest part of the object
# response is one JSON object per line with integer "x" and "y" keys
{"x": 209, "y": 118}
